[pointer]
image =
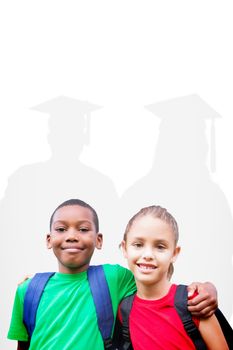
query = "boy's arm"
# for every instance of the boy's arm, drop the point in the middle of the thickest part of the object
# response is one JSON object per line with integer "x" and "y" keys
{"x": 17, "y": 330}
{"x": 205, "y": 303}
{"x": 126, "y": 282}
{"x": 23, "y": 345}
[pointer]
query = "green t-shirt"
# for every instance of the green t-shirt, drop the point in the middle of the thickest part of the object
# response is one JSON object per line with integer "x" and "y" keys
{"x": 66, "y": 317}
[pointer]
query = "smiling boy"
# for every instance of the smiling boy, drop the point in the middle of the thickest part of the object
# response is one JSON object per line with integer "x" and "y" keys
{"x": 66, "y": 316}
{"x": 73, "y": 251}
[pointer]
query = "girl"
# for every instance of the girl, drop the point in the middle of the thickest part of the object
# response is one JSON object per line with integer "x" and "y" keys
{"x": 150, "y": 247}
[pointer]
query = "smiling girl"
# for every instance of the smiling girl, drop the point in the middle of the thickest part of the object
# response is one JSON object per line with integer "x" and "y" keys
{"x": 150, "y": 247}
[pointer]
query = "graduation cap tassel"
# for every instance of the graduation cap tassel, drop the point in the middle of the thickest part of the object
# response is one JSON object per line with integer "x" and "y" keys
{"x": 212, "y": 147}
{"x": 87, "y": 128}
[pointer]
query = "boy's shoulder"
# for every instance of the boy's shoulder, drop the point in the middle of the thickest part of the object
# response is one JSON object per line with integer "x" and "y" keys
{"x": 22, "y": 286}
{"x": 120, "y": 278}
{"x": 113, "y": 272}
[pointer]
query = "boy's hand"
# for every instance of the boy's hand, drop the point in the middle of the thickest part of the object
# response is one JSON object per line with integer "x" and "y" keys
{"x": 205, "y": 302}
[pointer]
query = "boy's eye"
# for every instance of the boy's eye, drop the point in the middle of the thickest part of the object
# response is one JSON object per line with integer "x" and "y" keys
{"x": 60, "y": 229}
{"x": 83, "y": 229}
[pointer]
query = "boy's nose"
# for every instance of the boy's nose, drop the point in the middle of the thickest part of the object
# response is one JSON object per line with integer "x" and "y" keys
{"x": 72, "y": 235}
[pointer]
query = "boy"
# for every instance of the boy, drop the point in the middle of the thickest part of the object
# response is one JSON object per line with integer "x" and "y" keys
{"x": 66, "y": 316}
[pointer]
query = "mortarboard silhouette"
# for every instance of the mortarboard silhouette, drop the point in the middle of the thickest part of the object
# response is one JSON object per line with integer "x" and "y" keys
{"x": 63, "y": 109}
{"x": 188, "y": 106}
{"x": 66, "y": 105}
{"x": 191, "y": 109}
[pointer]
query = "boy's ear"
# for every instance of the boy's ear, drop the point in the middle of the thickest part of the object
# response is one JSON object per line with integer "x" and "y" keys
{"x": 48, "y": 241}
{"x": 99, "y": 240}
{"x": 176, "y": 253}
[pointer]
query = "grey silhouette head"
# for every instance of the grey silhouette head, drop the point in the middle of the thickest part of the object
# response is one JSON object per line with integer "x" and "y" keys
{"x": 189, "y": 114}
{"x": 69, "y": 122}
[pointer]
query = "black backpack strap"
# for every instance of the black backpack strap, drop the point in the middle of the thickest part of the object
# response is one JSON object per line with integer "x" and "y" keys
{"x": 32, "y": 298}
{"x": 181, "y": 302}
{"x": 125, "y": 308}
{"x": 226, "y": 328}
{"x": 103, "y": 303}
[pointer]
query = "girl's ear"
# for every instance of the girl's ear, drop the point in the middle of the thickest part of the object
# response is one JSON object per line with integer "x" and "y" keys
{"x": 123, "y": 247}
{"x": 48, "y": 241}
{"x": 175, "y": 254}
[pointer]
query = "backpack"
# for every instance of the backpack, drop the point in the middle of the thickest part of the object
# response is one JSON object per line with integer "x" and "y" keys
{"x": 100, "y": 293}
{"x": 181, "y": 297}
{"x": 103, "y": 304}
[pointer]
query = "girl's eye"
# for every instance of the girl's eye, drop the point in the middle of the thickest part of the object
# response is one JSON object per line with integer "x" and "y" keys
{"x": 137, "y": 245}
{"x": 161, "y": 247}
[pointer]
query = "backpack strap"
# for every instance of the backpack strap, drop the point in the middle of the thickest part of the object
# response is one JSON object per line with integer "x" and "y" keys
{"x": 181, "y": 300}
{"x": 103, "y": 303}
{"x": 125, "y": 308}
{"x": 100, "y": 293}
{"x": 226, "y": 328}
{"x": 32, "y": 298}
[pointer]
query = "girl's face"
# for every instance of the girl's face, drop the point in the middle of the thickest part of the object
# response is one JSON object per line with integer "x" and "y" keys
{"x": 150, "y": 249}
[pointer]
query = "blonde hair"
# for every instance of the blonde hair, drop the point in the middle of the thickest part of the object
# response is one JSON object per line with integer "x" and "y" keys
{"x": 161, "y": 213}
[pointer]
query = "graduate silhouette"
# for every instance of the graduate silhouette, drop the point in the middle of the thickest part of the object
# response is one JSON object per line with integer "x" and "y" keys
{"x": 34, "y": 190}
{"x": 180, "y": 180}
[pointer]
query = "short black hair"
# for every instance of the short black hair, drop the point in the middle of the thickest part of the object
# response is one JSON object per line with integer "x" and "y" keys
{"x": 81, "y": 204}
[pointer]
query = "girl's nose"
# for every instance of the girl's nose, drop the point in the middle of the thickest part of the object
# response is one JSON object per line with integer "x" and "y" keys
{"x": 148, "y": 254}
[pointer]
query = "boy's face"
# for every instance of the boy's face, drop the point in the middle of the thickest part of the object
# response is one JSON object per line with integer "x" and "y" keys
{"x": 150, "y": 249}
{"x": 73, "y": 238}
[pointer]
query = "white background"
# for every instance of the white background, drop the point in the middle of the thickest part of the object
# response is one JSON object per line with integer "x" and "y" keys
{"x": 121, "y": 55}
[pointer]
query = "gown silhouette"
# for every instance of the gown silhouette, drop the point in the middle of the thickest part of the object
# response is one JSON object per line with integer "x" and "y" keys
{"x": 35, "y": 190}
{"x": 180, "y": 181}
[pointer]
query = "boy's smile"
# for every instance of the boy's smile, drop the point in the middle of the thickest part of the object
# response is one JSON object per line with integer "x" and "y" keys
{"x": 72, "y": 249}
{"x": 73, "y": 238}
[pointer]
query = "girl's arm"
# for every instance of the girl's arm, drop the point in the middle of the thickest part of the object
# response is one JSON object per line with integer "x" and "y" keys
{"x": 212, "y": 334}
